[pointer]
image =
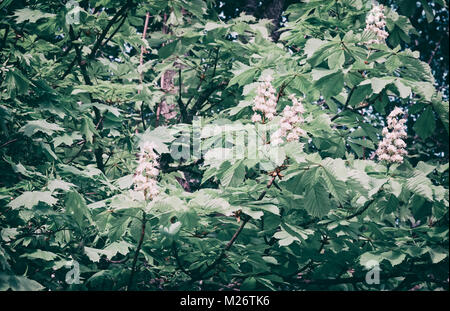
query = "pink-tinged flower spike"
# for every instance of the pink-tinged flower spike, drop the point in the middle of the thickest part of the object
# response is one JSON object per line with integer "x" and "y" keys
{"x": 290, "y": 123}
{"x": 265, "y": 102}
{"x": 147, "y": 171}
{"x": 375, "y": 23}
{"x": 392, "y": 147}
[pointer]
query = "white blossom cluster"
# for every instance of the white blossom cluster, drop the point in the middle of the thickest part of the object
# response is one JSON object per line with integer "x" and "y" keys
{"x": 145, "y": 177}
{"x": 392, "y": 147}
{"x": 265, "y": 101}
{"x": 290, "y": 123}
{"x": 375, "y": 23}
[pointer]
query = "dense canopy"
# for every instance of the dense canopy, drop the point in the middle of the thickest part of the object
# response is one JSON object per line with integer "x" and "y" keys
{"x": 224, "y": 145}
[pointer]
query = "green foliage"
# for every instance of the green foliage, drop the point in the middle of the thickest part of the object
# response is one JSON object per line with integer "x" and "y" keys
{"x": 76, "y": 102}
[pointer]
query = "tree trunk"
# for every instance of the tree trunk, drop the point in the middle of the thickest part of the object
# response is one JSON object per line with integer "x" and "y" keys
{"x": 273, "y": 12}
{"x": 270, "y": 9}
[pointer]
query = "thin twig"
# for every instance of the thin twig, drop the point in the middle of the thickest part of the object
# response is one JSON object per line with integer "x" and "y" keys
{"x": 143, "y": 51}
{"x": 8, "y": 142}
{"x": 438, "y": 44}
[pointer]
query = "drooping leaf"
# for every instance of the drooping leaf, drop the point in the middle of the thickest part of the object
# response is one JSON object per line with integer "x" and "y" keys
{"x": 28, "y": 199}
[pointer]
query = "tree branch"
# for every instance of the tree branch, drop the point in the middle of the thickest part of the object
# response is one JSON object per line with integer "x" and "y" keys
{"x": 100, "y": 39}
{"x": 124, "y": 17}
{"x": 79, "y": 58}
{"x": 183, "y": 111}
{"x": 136, "y": 255}
{"x": 337, "y": 115}
{"x": 69, "y": 69}
{"x": 235, "y": 235}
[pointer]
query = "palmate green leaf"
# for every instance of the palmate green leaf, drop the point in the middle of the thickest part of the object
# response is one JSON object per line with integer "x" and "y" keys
{"x": 8, "y": 234}
{"x": 18, "y": 283}
{"x": 425, "y": 168}
{"x": 285, "y": 238}
{"x": 102, "y": 108}
{"x": 317, "y": 202}
{"x": 59, "y": 184}
{"x": 16, "y": 83}
{"x": 442, "y": 109}
{"x": 217, "y": 156}
{"x": 312, "y": 45}
{"x": 160, "y": 137}
{"x": 243, "y": 75}
{"x": 270, "y": 259}
{"x": 28, "y": 199}
{"x": 404, "y": 90}
{"x": 21, "y": 169}
{"x": 378, "y": 84}
{"x": 110, "y": 251}
{"x": 336, "y": 187}
{"x": 39, "y": 254}
{"x": 336, "y": 60}
{"x": 32, "y": 16}
{"x": 252, "y": 213}
{"x": 415, "y": 68}
{"x": 234, "y": 175}
{"x": 209, "y": 201}
{"x": 265, "y": 206}
{"x": 420, "y": 184}
{"x": 125, "y": 182}
{"x": 394, "y": 257}
{"x": 360, "y": 93}
{"x": 399, "y": 28}
{"x": 301, "y": 234}
{"x": 437, "y": 254}
{"x": 87, "y": 172}
{"x": 425, "y": 89}
{"x": 371, "y": 259}
{"x": 40, "y": 126}
{"x": 67, "y": 139}
{"x": 362, "y": 142}
{"x": 425, "y": 124}
{"x": 88, "y": 129}
{"x": 389, "y": 204}
{"x": 321, "y": 53}
{"x": 329, "y": 82}
{"x": 4, "y": 258}
{"x": 359, "y": 180}
{"x": 76, "y": 208}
